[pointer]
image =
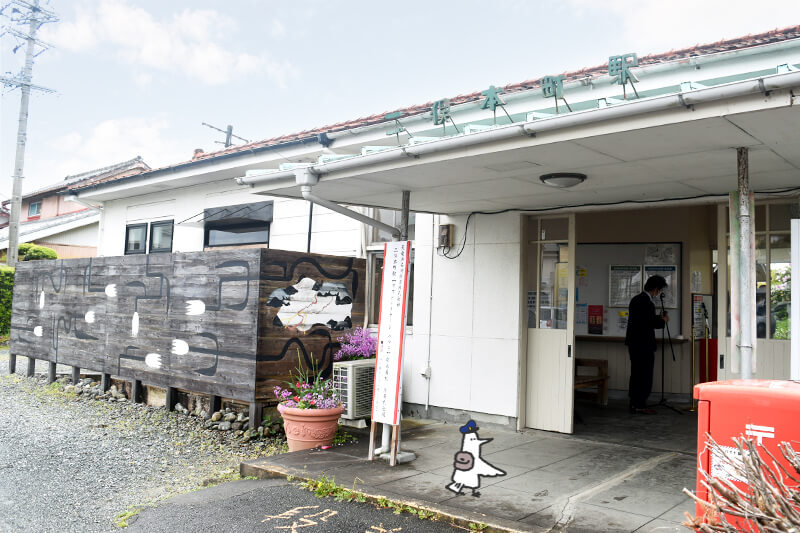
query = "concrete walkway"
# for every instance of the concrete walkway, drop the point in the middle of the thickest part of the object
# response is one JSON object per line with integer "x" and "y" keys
{"x": 619, "y": 472}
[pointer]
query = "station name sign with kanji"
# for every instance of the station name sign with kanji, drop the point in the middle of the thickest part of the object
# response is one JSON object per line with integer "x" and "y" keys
{"x": 391, "y": 333}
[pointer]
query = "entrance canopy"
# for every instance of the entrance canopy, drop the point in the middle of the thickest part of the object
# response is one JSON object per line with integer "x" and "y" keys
{"x": 675, "y": 146}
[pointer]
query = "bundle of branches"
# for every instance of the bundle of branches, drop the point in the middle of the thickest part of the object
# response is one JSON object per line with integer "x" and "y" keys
{"x": 770, "y": 502}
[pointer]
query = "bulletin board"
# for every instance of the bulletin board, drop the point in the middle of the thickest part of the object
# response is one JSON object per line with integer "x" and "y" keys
{"x": 608, "y": 274}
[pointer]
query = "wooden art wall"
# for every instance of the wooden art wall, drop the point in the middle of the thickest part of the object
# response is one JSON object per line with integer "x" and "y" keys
{"x": 226, "y": 323}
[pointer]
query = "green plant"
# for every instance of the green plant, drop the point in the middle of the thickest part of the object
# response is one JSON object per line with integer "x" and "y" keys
{"x": 473, "y": 526}
{"x": 307, "y": 389}
{"x": 273, "y": 427}
{"x": 6, "y": 296}
{"x": 24, "y": 248}
{"x": 358, "y": 345}
{"x": 121, "y": 520}
{"x": 343, "y": 437}
{"x": 36, "y": 253}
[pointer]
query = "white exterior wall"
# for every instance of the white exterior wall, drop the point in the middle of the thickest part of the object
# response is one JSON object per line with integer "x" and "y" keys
{"x": 332, "y": 233}
{"x": 83, "y": 236}
{"x": 467, "y": 322}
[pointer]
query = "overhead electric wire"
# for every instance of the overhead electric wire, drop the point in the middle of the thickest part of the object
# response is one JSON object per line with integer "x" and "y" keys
{"x": 446, "y": 250}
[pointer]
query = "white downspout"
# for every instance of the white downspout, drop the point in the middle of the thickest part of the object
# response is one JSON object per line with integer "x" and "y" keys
{"x": 305, "y": 190}
{"x": 100, "y": 225}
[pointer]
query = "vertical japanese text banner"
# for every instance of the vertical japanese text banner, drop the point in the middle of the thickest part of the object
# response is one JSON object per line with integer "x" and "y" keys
{"x": 391, "y": 333}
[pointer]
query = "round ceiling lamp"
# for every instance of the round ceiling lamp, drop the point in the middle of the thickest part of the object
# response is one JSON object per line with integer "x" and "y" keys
{"x": 563, "y": 180}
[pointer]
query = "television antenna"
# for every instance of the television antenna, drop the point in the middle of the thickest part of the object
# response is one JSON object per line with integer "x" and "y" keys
{"x": 228, "y": 134}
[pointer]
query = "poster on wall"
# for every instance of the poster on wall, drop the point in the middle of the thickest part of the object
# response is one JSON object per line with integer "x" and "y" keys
{"x": 624, "y": 282}
{"x": 661, "y": 254}
{"x": 595, "y": 326}
{"x": 670, "y": 273}
{"x": 391, "y": 333}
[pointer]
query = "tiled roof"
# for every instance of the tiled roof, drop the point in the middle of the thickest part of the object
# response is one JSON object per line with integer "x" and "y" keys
{"x": 54, "y": 223}
{"x": 115, "y": 171}
{"x": 727, "y": 45}
{"x": 747, "y": 41}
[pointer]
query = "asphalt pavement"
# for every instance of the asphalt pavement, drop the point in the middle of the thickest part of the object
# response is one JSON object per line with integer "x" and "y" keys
{"x": 273, "y": 505}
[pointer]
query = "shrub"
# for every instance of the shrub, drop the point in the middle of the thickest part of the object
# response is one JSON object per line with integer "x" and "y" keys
{"x": 39, "y": 252}
{"x": 24, "y": 248}
{"x": 6, "y": 293}
{"x": 358, "y": 345}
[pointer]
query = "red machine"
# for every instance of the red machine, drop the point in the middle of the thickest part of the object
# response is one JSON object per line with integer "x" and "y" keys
{"x": 764, "y": 411}
{"x": 708, "y": 361}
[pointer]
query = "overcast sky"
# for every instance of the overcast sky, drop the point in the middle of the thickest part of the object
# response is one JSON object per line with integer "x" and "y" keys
{"x": 138, "y": 77}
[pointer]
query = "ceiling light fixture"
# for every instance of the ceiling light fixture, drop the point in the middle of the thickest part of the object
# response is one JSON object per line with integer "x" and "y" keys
{"x": 563, "y": 180}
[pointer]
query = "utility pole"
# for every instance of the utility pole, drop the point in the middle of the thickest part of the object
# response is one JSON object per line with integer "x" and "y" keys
{"x": 22, "y": 12}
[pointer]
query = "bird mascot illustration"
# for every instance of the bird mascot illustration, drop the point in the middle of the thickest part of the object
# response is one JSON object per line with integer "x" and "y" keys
{"x": 468, "y": 465}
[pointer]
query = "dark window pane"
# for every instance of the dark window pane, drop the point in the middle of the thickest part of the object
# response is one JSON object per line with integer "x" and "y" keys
{"x": 780, "y": 216}
{"x": 375, "y": 298}
{"x": 249, "y": 234}
{"x": 135, "y": 239}
{"x": 161, "y": 235}
{"x": 762, "y": 279}
{"x": 34, "y": 209}
{"x": 761, "y": 218}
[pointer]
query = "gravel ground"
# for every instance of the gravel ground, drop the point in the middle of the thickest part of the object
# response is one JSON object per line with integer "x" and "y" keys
{"x": 73, "y": 464}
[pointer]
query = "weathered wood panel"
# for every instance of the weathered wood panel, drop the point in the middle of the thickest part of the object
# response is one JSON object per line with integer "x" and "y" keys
{"x": 308, "y": 302}
{"x": 229, "y": 324}
{"x": 172, "y": 320}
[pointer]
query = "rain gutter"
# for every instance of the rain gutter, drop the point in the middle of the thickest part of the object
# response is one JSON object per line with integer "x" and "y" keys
{"x": 580, "y": 118}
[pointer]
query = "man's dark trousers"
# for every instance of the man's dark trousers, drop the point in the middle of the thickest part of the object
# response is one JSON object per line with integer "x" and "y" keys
{"x": 641, "y": 381}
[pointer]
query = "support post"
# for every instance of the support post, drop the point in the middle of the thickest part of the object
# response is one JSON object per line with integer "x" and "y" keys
{"x": 136, "y": 391}
{"x": 31, "y": 367}
{"x": 12, "y": 363}
{"x": 256, "y": 414}
{"x": 395, "y": 445}
{"x": 51, "y": 372}
{"x": 172, "y": 398}
{"x": 76, "y": 375}
{"x": 215, "y": 404}
{"x": 745, "y": 259}
{"x": 372, "y": 428}
{"x": 105, "y": 382}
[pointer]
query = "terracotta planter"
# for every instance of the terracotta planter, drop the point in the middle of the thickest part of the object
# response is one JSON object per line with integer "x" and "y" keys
{"x": 309, "y": 428}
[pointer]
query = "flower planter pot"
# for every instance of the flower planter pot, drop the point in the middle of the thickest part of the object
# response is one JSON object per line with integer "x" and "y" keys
{"x": 309, "y": 428}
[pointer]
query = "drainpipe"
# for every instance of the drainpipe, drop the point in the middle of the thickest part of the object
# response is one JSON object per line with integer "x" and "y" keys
{"x": 306, "y": 179}
{"x": 745, "y": 266}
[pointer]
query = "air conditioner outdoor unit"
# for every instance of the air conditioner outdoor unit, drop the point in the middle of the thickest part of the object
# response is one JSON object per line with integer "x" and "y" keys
{"x": 353, "y": 381}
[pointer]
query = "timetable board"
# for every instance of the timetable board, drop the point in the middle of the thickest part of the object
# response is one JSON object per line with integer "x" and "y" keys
{"x": 608, "y": 275}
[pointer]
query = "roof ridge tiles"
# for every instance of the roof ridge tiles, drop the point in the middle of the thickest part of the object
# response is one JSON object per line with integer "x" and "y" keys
{"x": 722, "y": 45}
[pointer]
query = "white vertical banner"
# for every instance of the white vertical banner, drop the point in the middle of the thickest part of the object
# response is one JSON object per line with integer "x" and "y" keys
{"x": 391, "y": 333}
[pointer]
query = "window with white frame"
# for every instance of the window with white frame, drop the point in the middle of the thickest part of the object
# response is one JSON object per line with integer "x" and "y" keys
{"x": 35, "y": 209}
{"x": 773, "y": 269}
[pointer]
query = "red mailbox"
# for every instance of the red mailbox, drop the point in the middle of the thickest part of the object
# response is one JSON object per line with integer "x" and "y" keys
{"x": 766, "y": 411}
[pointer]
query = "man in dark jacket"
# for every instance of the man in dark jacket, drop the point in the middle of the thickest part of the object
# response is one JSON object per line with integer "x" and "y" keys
{"x": 640, "y": 338}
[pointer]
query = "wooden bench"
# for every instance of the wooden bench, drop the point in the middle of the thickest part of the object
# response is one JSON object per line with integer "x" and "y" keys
{"x": 598, "y": 379}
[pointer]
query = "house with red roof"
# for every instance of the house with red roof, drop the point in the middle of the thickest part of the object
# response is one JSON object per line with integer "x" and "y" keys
{"x": 50, "y": 218}
{"x": 537, "y": 211}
